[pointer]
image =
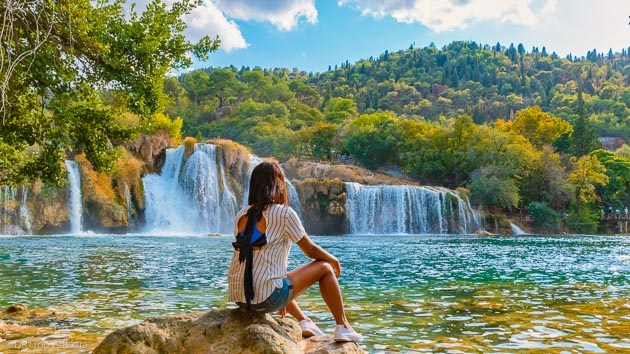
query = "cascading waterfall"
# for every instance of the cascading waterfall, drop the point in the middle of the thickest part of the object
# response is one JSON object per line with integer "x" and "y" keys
{"x": 294, "y": 199}
{"x": 76, "y": 207}
{"x": 228, "y": 201}
{"x": 407, "y": 210}
{"x": 190, "y": 195}
{"x": 25, "y": 216}
{"x": 15, "y": 217}
{"x": 167, "y": 207}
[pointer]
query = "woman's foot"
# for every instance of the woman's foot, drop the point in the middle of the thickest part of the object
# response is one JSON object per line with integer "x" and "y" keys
{"x": 343, "y": 334}
{"x": 309, "y": 329}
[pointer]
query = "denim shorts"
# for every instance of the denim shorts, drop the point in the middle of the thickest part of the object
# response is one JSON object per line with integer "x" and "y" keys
{"x": 278, "y": 299}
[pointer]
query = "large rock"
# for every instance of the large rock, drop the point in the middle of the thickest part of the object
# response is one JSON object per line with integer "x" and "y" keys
{"x": 151, "y": 148}
{"x": 220, "y": 331}
{"x": 323, "y": 205}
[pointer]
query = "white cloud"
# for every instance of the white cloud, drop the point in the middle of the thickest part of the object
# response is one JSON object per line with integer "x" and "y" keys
{"x": 209, "y": 20}
{"x": 448, "y": 15}
{"x": 284, "y": 14}
{"x": 206, "y": 19}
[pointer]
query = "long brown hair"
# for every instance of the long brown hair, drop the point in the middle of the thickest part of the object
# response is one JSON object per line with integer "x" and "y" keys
{"x": 266, "y": 186}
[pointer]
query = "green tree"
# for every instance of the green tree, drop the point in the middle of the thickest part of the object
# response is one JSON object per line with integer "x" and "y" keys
{"x": 588, "y": 172}
{"x": 338, "y": 110}
{"x": 70, "y": 69}
{"x": 365, "y": 139}
{"x": 492, "y": 186}
{"x": 544, "y": 217}
{"x": 617, "y": 168}
{"x": 585, "y": 138}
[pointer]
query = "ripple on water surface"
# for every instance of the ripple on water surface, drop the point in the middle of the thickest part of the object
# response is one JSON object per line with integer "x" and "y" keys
{"x": 436, "y": 293}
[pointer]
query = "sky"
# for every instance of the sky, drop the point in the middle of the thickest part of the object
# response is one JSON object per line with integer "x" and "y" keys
{"x": 312, "y": 35}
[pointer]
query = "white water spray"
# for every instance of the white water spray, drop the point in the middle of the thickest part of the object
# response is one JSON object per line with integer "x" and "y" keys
{"x": 407, "y": 210}
{"x": 76, "y": 207}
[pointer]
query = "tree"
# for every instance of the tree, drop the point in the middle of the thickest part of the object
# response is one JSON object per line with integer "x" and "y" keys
{"x": 540, "y": 128}
{"x": 585, "y": 138}
{"x": 618, "y": 172}
{"x": 223, "y": 85}
{"x": 587, "y": 173}
{"x": 365, "y": 138}
{"x": 338, "y": 110}
{"x": 491, "y": 186}
{"x": 70, "y": 69}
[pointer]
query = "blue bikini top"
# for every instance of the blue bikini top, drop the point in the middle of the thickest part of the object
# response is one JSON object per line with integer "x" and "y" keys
{"x": 256, "y": 234}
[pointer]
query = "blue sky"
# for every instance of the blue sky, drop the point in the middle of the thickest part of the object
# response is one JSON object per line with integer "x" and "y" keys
{"x": 313, "y": 34}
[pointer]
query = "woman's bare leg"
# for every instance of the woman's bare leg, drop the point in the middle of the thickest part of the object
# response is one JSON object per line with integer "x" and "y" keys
{"x": 294, "y": 310}
{"x": 319, "y": 271}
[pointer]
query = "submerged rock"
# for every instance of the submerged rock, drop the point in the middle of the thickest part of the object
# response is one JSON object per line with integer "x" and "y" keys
{"x": 219, "y": 331}
{"x": 16, "y": 308}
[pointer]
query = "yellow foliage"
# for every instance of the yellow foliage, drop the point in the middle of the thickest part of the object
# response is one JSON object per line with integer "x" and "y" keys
{"x": 540, "y": 128}
{"x": 588, "y": 172}
{"x": 99, "y": 196}
{"x": 128, "y": 120}
{"x": 189, "y": 146}
{"x": 128, "y": 174}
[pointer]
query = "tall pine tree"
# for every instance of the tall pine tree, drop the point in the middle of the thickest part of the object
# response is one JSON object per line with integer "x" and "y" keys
{"x": 585, "y": 138}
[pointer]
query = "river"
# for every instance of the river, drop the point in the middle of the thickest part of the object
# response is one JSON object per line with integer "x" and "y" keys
{"x": 404, "y": 293}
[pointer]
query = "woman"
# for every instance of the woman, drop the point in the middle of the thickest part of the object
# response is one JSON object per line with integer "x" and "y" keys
{"x": 257, "y": 277}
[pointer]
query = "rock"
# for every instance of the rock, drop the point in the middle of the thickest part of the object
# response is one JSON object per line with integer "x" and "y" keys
{"x": 148, "y": 147}
{"x": 484, "y": 233}
{"x": 219, "y": 331}
{"x": 326, "y": 345}
{"x": 334, "y": 208}
{"x": 16, "y": 308}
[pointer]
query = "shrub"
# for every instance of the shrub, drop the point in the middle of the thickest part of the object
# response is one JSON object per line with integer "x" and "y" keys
{"x": 544, "y": 216}
{"x": 189, "y": 146}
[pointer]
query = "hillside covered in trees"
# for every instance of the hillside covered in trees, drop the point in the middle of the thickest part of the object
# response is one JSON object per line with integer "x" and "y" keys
{"x": 518, "y": 128}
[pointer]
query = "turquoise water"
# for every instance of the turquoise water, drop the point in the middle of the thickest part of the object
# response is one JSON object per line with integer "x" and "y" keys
{"x": 404, "y": 293}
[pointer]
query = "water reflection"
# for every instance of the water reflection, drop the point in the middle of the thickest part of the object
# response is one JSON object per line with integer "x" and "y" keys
{"x": 422, "y": 293}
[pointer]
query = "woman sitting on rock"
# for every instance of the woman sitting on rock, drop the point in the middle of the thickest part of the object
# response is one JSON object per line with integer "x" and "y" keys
{"x": 258, "y": 279}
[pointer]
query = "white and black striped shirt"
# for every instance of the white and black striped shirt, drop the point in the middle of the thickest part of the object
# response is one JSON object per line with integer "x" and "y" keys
{"x": 270, "y": 262}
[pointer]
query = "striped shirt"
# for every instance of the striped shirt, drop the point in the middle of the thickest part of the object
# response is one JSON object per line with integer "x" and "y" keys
{"x": 270, "y": 262}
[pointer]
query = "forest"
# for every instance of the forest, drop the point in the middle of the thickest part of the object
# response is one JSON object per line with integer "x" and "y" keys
{"x": 521, "y": 130}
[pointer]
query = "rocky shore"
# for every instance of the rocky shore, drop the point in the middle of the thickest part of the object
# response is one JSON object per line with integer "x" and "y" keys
{"x": 219, "y": 331}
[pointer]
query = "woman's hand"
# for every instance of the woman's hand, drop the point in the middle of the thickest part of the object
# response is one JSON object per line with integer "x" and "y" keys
{"x": 334, "y": 262}
{"x": 283, "y": 312}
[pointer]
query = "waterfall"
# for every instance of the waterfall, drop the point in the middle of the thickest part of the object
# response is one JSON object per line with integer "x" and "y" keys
{"x": 517, "y": 230}
{"x": 407, "y": 210}
{"x": 294, "y": 199}
{"x": 167, "y": 207}
{"x": 25, "y": 217}
{"x": 190, "y": 196}
{"x": 14, "y": 216}
{"x": 76, "y": 207}
{"x": 228, "y": 201}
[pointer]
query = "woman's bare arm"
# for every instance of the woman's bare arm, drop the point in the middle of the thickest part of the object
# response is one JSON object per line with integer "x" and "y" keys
{"x": 314, "y": 251}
